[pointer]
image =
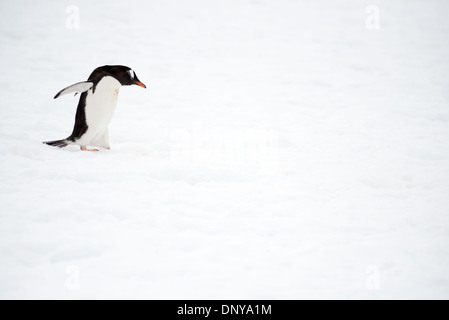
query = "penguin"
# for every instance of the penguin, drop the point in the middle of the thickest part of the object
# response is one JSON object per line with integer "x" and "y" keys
{"x": 96, "y": 106}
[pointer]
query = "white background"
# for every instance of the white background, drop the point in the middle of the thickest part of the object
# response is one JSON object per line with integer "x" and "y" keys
{"x": 282, "y": 150}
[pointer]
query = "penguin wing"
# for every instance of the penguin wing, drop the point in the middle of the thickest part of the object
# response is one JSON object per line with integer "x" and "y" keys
{"x": 77, "y": 87}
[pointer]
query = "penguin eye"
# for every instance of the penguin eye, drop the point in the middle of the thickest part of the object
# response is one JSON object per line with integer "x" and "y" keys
{"x": 131, "y": 74}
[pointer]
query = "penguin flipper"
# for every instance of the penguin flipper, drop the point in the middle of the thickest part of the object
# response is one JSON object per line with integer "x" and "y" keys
{"x": 77, "y": 87}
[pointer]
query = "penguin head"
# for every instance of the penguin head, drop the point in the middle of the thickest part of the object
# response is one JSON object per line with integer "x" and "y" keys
{"x": 129, "y": 78}
{"x": 125, "y": 75}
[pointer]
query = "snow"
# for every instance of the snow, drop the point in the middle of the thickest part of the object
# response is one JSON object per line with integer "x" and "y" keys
{"x": 281, "y": 150}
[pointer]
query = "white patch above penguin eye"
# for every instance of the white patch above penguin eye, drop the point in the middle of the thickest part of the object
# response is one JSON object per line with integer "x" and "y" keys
{"x": 131, "y": 74}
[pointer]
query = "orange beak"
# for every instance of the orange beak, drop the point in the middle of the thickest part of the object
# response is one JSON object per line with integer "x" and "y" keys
{"x": 140, "y": 84}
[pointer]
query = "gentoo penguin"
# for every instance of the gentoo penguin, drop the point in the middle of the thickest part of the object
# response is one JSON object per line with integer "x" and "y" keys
{"x": 96, "y": 106}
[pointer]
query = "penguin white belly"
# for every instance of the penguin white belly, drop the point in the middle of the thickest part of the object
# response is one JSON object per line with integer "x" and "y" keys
{"x": 99, "y": 109}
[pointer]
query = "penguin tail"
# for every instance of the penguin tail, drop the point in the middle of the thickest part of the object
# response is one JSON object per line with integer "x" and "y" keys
{"x": 58, "y": 143}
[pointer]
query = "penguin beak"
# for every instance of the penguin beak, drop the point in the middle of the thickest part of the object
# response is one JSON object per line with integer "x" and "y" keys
{"x": 140, "y": 84}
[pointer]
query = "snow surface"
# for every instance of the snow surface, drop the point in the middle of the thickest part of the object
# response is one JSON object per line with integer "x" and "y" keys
{"x": 282, "y": 150}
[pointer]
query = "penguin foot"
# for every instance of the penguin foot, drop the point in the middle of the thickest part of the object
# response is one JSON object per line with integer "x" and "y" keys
{"x": 84, "y": 148}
